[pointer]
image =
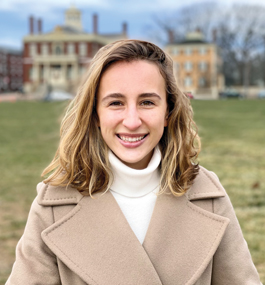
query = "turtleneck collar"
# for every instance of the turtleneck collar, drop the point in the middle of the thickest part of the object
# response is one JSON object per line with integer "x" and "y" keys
{"x": 131, "y": 182}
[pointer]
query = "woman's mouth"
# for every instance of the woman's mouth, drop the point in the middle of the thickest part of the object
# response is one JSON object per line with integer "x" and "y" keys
{"x": 131, "y": 139}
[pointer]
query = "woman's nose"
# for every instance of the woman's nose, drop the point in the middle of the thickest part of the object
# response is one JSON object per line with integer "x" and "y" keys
{"x": 132, "y": 119}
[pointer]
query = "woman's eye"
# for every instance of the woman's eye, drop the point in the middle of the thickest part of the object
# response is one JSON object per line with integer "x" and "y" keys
{"x": 115, "y": 103}
{"x": 147, "y": 103}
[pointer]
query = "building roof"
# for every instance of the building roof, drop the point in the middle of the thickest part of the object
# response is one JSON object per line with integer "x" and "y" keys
{"x": 68, "y": 30}
{"x": 72, "y": 30}
{"x": 192, "y": 38}
{"x": 195, "y": 41}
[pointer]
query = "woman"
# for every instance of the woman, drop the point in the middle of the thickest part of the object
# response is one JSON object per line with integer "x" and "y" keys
{"x": 126, "y": 202}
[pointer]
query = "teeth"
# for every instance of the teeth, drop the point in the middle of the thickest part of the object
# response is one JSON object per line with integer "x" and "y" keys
{"x": 128, "y": 139}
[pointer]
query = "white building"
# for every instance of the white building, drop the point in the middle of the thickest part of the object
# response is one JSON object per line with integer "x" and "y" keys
{"x": 57, "y": 60}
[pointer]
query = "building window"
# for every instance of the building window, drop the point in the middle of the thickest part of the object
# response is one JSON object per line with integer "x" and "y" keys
{"x": 175, "y": 51}
{"x": 42, "y": 72}
{"x": 203, "y": 66}
{"x": 31, "y": 73}
{"x": 188, "y": 51}
{"x": 82, "y": 69}
{"x": 4, "y": 68}
{"x": 32, "y": 49}
{"x": 44, "y": 49}
{"x": 187, "y": 81}
{"x": 82, "y": 49}
{"x": 13, "y": 60}
{"x": 202, "y": 82}
{"x": 188, "y": 66}
{"x": 69, "y": 72}
{"x": 13, "y": 70}
{"x": 58, "y": 50}
{"x": 71, "y": 48}
{"x": 203, "y": 50}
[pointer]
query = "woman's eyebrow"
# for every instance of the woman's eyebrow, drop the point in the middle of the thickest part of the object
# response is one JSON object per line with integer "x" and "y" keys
{"x": 113, "y": 95}
{"x": 148, "y": 95}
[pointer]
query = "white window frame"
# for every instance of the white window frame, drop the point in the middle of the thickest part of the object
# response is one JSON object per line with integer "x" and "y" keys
{"x": 202, "y": 66}
{"x": 188, "y": 66}
{"x": 44, "y": 49}
{"x": 82, "y": 49}
{"x": 188, "y": 81}
{"x": 32, "y": 49}
{"x": 70, "y": 48}
{"x": 203, "y": 50}
{"x": 202, "y": 82}
{"x": 188, "y": 50}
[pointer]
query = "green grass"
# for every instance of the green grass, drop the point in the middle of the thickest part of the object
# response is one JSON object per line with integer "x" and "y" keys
{"x": 233, "y": 146}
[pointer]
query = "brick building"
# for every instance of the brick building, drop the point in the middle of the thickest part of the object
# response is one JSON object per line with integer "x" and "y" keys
{"x": 11, "y": 70}
{"x": 197, "y": 65}
{"x": 58, "y": 59}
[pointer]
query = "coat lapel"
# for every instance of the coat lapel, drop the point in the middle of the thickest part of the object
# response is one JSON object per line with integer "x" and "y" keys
{"x": 182, "y": 237}
{"x": 96, "y": 242}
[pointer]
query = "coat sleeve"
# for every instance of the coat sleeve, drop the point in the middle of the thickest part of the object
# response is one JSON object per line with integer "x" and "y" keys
{"x": 35, "y": 263}
{"x": 232, "y": 263}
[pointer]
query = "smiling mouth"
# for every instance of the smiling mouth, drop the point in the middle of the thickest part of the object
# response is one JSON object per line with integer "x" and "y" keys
{"x": 131, "y": 139}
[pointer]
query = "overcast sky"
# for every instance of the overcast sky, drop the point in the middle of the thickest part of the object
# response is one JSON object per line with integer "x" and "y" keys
{"x": 112, "y": 13}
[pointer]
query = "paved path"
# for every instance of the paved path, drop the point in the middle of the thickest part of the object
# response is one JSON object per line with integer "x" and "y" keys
{"x": 15, "y": 96}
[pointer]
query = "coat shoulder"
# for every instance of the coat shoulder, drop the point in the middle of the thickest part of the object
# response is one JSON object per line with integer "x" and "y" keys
{"x": 49, "y": 195}
{"x": 206, "y": 185}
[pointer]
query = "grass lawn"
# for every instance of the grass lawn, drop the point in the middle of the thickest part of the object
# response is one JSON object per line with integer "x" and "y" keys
{"x": 233, "y": 146}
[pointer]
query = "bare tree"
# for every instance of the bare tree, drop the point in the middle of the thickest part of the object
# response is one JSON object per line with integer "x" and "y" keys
{"x": 174, "y": 25}
{"x": 239, "y": 32}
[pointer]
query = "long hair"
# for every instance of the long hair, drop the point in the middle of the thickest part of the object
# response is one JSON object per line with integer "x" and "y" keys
{"x": 82, "y": 156}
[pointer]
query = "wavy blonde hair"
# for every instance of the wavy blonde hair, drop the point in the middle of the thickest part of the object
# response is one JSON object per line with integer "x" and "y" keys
{"x": 82, "y": 156}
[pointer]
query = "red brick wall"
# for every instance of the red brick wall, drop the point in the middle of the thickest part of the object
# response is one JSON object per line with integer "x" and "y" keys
{"x": 38, "y": 48}
{"x": 26, "y": 50}
{"x": 26, "y": 68}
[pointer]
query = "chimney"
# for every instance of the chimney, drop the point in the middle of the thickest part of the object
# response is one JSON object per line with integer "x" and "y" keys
{"x": 31, "y": 25}
{"x": 124, "y": 28}
{"x": 39, "y": 26}
{"x": 214, "y": 35}
{"x": 170, "y": 36}
{"x": 95, "y": 24}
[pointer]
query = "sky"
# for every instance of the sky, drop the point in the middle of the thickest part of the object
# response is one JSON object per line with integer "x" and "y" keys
{"x": 139, "y": 15}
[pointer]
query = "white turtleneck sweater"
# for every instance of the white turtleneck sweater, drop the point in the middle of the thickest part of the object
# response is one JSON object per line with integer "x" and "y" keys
{"x": 134, "y": 191}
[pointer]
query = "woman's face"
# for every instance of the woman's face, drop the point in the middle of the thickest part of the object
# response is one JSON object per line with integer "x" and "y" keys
{"x": 132, "y": 110}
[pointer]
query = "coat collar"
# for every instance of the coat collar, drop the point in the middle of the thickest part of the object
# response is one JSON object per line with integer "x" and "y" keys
{"x": 206, "y": 185}
{"x": 102, "y": 249}
{"x": 54, "y": 195}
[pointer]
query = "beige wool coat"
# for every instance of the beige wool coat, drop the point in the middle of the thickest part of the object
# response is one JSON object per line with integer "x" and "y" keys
{"x": 72, "y": 239}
